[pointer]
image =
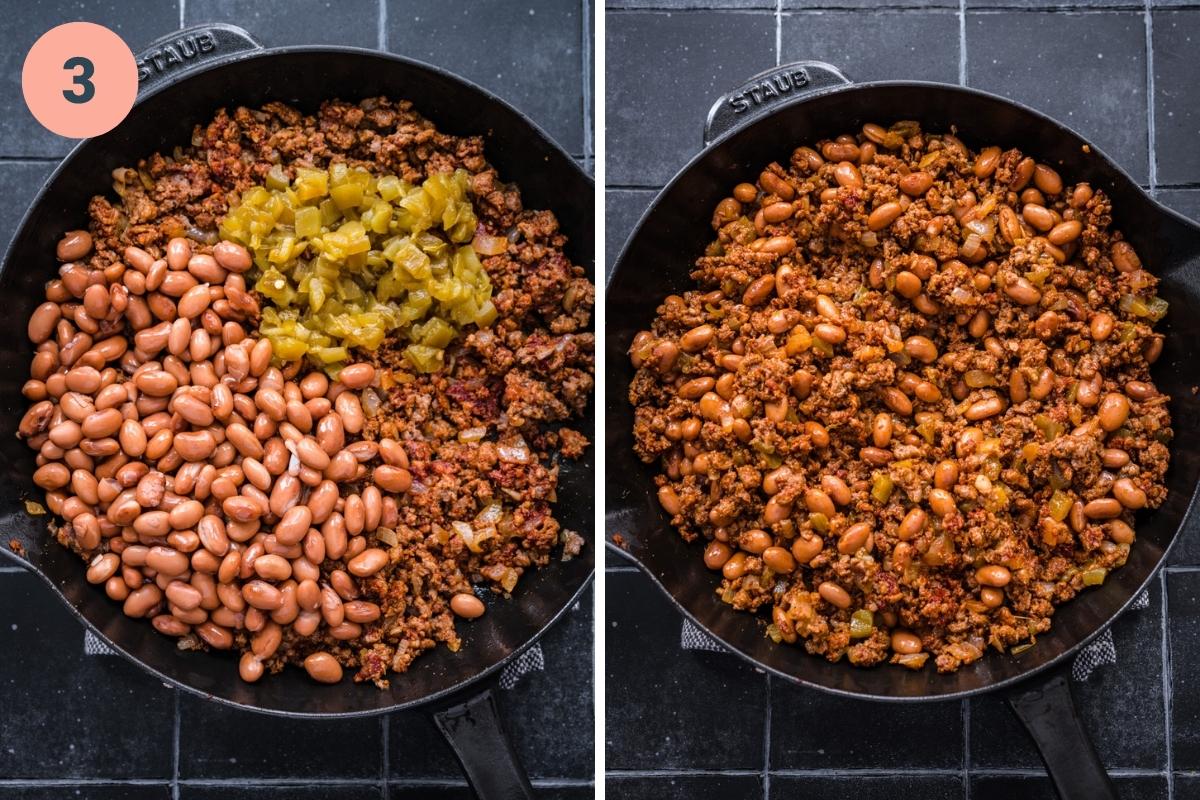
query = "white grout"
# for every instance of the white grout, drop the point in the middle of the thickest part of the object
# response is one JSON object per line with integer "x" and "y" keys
{"x": 586, "y": 50}
{"x": 384, "y": 761}
{"x": 382, "y": 40}
{"x": 850, "y": 773}
{"x": 766, "y": 773}
{"x": 962, "y": 42}
{"x": 778, "y": 32}
{"x": 966, "y": 719}
{"x": 175, "y": 752}
{"x": 1150, "y": 135}
{"x": 1166, "y": 686}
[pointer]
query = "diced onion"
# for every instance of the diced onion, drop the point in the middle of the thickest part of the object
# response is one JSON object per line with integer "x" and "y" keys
{"x": 490, "y": 515}
{"x": 487, "y": 245}
{"x": 516, "y": 452}
{"x": 371, "y": 402}
{"x": 472, "y": 434}
{"x": 473, "y": 538}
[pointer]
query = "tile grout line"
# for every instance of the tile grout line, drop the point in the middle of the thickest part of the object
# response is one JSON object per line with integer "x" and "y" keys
{"x": 766, "y": 773}
{"x": 1150, "y": 133}
{"x": 384, "y": 764}
{"x": 962, "y": 42}
{"x": 175, "y": 752}
{"x": 586, "y": 34}
{"x": 381, "y": 41}
{"x": 1166, "y": 687}
{"x": 997, "y": 8}
{"x": 966, "y": 771}
{"x": 850, "y": 772}
{"x": 778, "y": 32}
{"x": 1169, "y": 745}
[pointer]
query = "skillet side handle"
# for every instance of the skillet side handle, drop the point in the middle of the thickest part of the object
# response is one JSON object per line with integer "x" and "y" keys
{"x": 474, "y": 731}
{"x": 764, "y": 91}
{"x": 1047, "y": 710}
{"x": 169, "y": 57}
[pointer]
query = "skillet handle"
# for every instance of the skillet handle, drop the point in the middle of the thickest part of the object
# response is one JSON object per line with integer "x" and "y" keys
{"x": 1047, "y": 710}
{"x": 169, "y": 57}
{"x": 474, "y": 731}
{"x": 766, "y": 90}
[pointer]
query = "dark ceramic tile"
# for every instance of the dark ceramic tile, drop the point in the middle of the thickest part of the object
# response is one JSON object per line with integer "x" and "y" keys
{"x": 21, "y": 181}
{"x": 66, "y": 714}
{"x": 422, "y": 791}
{"x": 884, "y": 45}
{"x": 1183, "y": 605}
{"x": 1121, "y": 705}
{"x": 926, "y": 787}
{"x": 547, "y": 714}
{"x": 1099, "y": 79}
{"x": 581, "y": 792}
{"x": 623, "y": 208}
{"x": 1056, "y": 5}
{"x": 1007, "y": 787}
{"x": 550, "y": 713}
{"x": 670, "y": 708}
{"x": 1186, "y": 551}
{"x": 273, "y": 747}
{"x": 1187, "y": 787}
{"x": 664, "y": 72}
{"x": 682, "y": 787}
{"x": 805, "y": 733}
{"x": 297, "y": 791}
{"x": 1185, "y": 201}
{"x": 685, "y": 5}
{"x": 400, "y": 791}
{"x": 528, "y": 54}
{"x": 138, "y": 22}
{"x": 353, "y": 23}
{"x": 1176, "y": 95}
{"x": 869, "y": 4}
{"x": 108, "y": 791}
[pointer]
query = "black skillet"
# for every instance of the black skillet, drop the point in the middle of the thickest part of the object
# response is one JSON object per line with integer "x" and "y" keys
{"x": 185, "y": 77}
{"x": 755, "y": 125}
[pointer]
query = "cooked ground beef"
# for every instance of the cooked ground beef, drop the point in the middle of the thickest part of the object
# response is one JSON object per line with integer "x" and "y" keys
{"x": 908, "y": 406}
{"x": 475, "y": 433}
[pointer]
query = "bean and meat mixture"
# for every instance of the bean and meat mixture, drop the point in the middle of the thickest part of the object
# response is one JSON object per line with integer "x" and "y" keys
{"x": 244, "y": 502}
{"x": 907, "y": 406}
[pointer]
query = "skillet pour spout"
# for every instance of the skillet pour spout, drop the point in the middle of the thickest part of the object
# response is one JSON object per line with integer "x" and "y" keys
{"x": 763, "y": 121}
{"x": 215, "y": 66}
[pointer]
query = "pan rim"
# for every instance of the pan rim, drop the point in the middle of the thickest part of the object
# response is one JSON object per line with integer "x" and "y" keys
{"x": 177, "y": 84}
{"x": 763, "y": 119}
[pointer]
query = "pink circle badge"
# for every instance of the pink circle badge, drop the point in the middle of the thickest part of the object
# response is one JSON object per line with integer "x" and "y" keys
{"x": 79, "y": 80}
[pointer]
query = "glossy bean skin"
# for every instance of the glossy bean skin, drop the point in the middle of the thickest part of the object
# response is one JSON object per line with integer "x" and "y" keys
{"x": 323, "y": 668}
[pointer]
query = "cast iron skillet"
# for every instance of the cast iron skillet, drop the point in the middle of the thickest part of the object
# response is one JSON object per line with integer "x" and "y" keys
{"x": 751, "y": 127}
{"x": 185, "y": 77}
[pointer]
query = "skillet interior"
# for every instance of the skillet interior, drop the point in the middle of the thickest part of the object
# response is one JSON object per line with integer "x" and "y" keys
{"x": 656, "y": 262}
{"x": 303, "y": 77}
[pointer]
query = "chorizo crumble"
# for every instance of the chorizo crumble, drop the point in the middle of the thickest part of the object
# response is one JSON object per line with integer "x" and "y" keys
{"x": 907, "y": 406}
{"x": 477, "y": 434}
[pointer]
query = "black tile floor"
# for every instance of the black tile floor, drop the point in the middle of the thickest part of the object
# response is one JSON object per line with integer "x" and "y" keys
{"x": 1122, "y": 72}
{"x": 97, "y": 728}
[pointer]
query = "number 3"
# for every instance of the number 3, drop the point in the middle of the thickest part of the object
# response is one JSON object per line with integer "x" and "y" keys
{"x": 87, "y": 89}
